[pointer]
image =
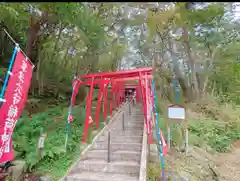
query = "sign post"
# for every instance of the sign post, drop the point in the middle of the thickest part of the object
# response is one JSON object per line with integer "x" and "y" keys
{"x": 177, "y": 112}
{"x": 41, "y": 141}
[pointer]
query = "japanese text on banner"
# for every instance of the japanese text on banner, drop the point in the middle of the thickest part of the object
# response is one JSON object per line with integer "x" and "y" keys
{"x": 15, "y": 96}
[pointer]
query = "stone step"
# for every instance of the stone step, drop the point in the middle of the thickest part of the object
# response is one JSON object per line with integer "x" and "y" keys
{"x": 140, "y": 121}
{"x": 134, "y": 129}
{"x": 117, "y": 139}
{"x": 133, "y": 120}
{"x": 101, "y": 176}
{"x": 129, "y": 124}
{"x": 114, "y": 156}
{"x": 137, "y": 117}
{"x": 118, "y": 146}
{"x": 126, "y": 167}
{"x": 125, "y": 152}
{"x": 128, "y": 132}
{"x": 132, "y": 115}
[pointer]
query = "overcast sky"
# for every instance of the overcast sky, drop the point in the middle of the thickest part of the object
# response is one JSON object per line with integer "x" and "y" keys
{"x": 236, "y": 10}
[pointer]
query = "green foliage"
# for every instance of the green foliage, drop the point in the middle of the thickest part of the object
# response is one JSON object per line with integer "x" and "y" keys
{"x": 210, "y": 41}
{"x": 206, "y": 17}
{"x": 177, "y": 17}
{"x": 15, "y": 14}
{"x": 226, "y": 73}
{"x": 2, "y": 73}
{"x": 216, "y": 134}
{"x": 89, "y": 28}
{"x": 154, "y": 171}
{"x": 64, "y": 27}
{"x": 52, "y": 122}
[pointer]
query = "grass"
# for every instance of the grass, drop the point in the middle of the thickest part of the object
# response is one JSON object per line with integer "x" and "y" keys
{"x": 218, "y": 135}
{"x": 204, "y": 131}
{"x": 153, "y": 172}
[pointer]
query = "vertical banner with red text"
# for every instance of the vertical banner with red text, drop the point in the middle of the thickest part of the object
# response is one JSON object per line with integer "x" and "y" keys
{"x": 16, "y": 97}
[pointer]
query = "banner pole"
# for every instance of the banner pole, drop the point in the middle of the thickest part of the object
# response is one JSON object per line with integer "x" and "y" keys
{"x": 8, "y": 73}
{"x": 16, "y": 44}
{"x": 158, "y": 131}
{"x": 69, "y": 114}
{"x": 177, "y": 91}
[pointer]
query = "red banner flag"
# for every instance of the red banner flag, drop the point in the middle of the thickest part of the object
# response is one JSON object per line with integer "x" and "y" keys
{"x": 70, "y": 118}
{"x": 76, "y": 85}
{"x": 164, "y": 145}
{"x": 16, "y": 97}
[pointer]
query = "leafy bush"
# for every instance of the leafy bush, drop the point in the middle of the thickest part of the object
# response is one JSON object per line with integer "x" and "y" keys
{"x": 52, "y": 122}
{"x": 218, "y": 135}
{"x": 153, "y": 171}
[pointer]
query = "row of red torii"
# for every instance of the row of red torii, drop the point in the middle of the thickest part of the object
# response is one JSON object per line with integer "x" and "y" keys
{"x": 117, "y": 80}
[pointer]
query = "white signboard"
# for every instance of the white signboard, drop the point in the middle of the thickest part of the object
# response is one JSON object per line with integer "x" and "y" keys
{"x": 41, "y": 142}
{"x": 176, "y": 112}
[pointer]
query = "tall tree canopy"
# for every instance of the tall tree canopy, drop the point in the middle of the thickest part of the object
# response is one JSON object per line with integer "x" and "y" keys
{"x": 196, "y": 42}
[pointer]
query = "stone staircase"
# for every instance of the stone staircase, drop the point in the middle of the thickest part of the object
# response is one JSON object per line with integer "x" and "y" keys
{"x": 116, "y": 154}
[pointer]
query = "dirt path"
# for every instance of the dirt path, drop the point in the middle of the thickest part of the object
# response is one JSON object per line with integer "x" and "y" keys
{"x": 229, "y": 166}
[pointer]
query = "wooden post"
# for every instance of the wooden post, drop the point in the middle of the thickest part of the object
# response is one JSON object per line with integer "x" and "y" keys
{"x": 88, "y": 112}
{"x": 147, "y": 94}
{"x": 177, "y": 113}
{"x": 105, "y": 101}
{"x": 143, "y": 98}
{"x": 169, "y": 136}
{"x": 41, "y": 144}
{"x": 111, "y": 99}
{"x": 100, "y": 96}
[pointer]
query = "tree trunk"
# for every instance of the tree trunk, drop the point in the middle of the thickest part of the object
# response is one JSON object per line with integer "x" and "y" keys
{"x": 194, "y": 77}
{"x": 34, "y": 28}
{"x": 187, "y": 93}
{"x": 32, "y": 35}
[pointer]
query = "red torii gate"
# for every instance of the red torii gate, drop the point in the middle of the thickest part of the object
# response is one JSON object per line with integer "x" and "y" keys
{"x": 116, "y": 80}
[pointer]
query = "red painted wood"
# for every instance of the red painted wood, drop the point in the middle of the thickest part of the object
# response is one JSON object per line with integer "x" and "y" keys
{"x": 111, "y": 100}
{"x": 105, "y": 102}
{"x": 114, "y": 80}
{"x": 88, "y": 112}
{"x": 127, "y": 73}
{"x": 117, "y": 80}
{"x": 100, "y": 97}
